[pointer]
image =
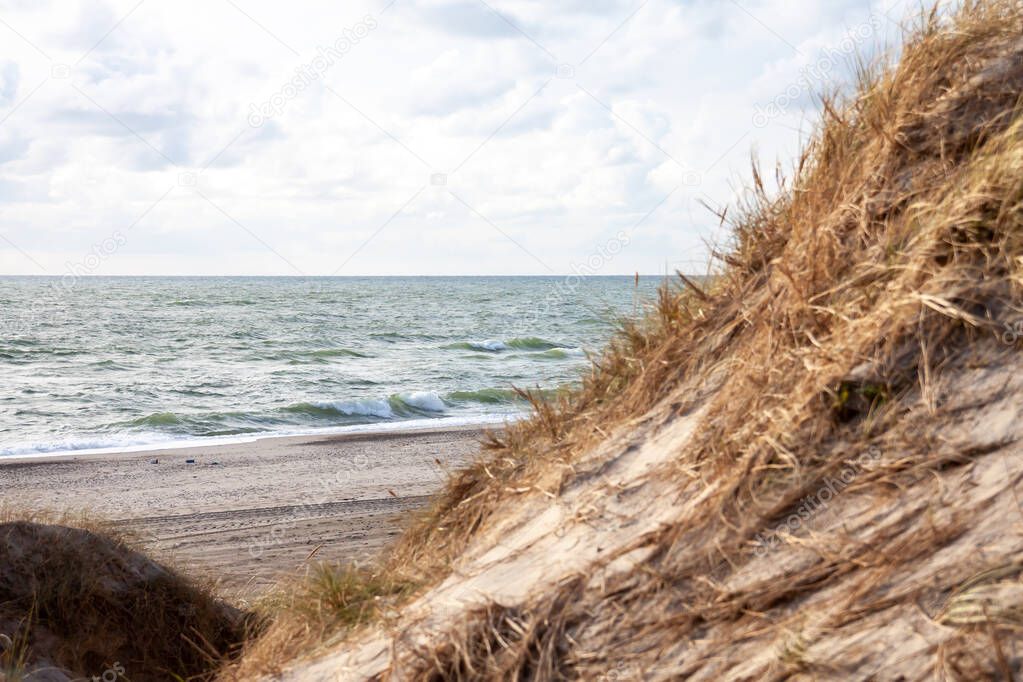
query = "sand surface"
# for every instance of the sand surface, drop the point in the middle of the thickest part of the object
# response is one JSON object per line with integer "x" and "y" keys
{"x": 246, "y": 514}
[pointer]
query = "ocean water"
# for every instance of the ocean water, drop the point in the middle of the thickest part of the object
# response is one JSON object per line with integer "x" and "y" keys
{"x": 130, "y": 363}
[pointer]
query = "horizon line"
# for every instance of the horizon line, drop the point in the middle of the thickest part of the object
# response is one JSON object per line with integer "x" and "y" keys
{"x": 119, "y": 276}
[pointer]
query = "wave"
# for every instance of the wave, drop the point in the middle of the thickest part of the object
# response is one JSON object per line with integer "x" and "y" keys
{"x": 22, "y": 342}
{"x": 110, "y": 365}
{"x": 35, "y": 353}
{"x": 323, "y": 356}
{"x": 335, "y": 353}
{"x": 146, "y": 442}
{"x": 486, "y": 396}
{"x": 158, "y": 420}
{"x": 527, "y": 343}
{"x": 84, "y": 443}
{"x": 389, "y": 337}
{"x": 171, "y": 429}
{"x": 201, "y": 425}
{"x": 424, "y": 400}
{"x": 396, "y": 407}
{"x": 535, "y": 343}
{"x": 487, "y": 346}
{"x": 400, "y": 405}
{"x": 350, "y": 408}
{"x": 561, "y": 354}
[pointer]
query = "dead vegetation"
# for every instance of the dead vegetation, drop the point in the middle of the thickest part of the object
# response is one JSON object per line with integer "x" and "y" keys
{"x": 313, "y": 611}
{"x": 895, "y": 246}
{"x": 77, "y": 601}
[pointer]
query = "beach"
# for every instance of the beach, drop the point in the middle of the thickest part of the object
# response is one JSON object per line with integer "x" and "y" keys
{"x": 247, "y": 514}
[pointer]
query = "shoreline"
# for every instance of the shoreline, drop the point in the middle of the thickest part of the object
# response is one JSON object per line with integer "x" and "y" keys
{"x": 248, "y": 514}
{"x": 407, "y": 426}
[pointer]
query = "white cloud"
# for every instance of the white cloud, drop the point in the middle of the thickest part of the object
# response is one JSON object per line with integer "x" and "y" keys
{"x": 108, "y": 106}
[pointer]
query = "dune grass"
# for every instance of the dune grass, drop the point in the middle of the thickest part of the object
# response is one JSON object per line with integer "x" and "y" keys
{"x": 77, "y": 596}
{"x": 896, "y": 236}
{"x": 310, "y": 612}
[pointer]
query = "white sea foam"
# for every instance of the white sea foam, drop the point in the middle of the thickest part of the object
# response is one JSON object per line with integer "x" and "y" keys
{"x": 365, "y": 408}
{"x": 86, "y": 444}
{"x": 424, "y": 400}
{"x": 489, "y": 345}
{"x": 115, "y": 445}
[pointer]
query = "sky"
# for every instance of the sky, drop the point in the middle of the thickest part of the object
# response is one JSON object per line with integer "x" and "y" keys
{"x": 404, "y": 137}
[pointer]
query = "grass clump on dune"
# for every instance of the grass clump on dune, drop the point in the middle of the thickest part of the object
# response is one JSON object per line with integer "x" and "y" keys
{"x": 311, "y": 612}
{"x": 76, "y": 597}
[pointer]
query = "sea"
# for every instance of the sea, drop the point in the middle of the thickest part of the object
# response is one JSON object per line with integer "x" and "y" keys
{"x": 97, "y": 364}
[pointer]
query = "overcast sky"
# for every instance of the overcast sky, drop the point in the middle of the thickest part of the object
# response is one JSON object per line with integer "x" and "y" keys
{"x": 416, "y": 137}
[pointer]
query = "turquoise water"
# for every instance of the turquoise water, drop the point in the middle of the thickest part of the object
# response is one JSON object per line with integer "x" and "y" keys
{"x": 93, "y": 363}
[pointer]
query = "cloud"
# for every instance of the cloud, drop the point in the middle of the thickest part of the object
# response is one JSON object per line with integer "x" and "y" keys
{"x": 10, "y": 76}
{"x": 12, "y": 148}
{"x": 467, "y": 18}
{"x": 85, "y": 25}
{"x": 559, "y": 123}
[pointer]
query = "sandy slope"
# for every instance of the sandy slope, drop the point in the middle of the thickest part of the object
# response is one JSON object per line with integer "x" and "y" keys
{"x": 601, "y": 529}
{"x": 540, "y": 544}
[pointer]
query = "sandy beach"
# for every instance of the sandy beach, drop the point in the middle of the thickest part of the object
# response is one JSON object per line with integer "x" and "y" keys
{"x": 246, "y": 514}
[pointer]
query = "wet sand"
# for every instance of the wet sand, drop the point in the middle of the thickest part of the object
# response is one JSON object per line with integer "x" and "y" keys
{"x": 247, "y": 514}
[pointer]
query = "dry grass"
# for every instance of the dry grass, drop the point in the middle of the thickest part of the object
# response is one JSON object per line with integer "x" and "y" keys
{"x": 77, "y": 597}
{"x": 309, "y": 613}
{"x": 898, "y": 240}
{"x": 894, "y": 239}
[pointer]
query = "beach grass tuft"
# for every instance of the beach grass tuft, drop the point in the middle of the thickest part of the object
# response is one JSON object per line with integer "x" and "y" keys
{"x": 309, "y": 612}
{"x": 77, "y": 596}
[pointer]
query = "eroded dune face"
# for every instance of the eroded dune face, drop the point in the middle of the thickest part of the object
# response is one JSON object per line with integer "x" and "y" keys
{"x": 81, "y": 604}
{"x": 886, "y": 550}
{"x": 812, "y": 468}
